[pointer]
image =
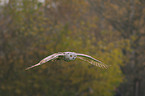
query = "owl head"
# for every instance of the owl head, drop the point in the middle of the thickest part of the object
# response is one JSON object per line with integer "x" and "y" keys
{"x": 68, "y": 56}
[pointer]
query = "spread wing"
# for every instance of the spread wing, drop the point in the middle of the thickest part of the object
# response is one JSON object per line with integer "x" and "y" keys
{"x": 49, "y": 58}
{"x": 91, "y": 60}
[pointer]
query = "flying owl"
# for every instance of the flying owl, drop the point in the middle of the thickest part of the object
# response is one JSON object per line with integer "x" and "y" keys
{"x": 69, "y": 56}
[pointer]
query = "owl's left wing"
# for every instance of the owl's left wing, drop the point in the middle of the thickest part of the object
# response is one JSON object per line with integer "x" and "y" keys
{"x": 91, "y": 60}
{"x": 49, "y": 58}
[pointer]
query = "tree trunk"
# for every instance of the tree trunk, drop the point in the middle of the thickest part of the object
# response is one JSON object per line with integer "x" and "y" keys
{"x": 136, "y": 88}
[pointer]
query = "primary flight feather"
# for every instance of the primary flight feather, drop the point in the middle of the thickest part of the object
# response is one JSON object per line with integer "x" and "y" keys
{"x": 69, "y": 56}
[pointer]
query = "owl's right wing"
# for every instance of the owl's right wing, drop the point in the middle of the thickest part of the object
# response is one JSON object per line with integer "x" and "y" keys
{"x": 49, "y": 58}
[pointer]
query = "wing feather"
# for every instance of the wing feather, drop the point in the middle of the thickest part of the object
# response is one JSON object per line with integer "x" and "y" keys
{"x": 91, "y": 60}
{"x": 49, "y": 58}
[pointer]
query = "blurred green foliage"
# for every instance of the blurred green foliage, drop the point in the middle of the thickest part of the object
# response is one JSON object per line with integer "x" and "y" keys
{"x": 30, "y": 31}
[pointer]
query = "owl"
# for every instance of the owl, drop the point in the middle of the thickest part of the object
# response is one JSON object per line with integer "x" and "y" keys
{"x": 70, "y": 56}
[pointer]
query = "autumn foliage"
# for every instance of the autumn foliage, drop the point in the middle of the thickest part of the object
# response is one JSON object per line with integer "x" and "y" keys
{"x": 110, "y": 30}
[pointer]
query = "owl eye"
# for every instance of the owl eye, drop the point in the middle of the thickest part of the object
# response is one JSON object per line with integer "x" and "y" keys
{"x": 70, "y": 55}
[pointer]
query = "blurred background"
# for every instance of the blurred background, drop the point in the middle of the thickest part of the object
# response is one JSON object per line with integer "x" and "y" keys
{"x": 113, "y": 31}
